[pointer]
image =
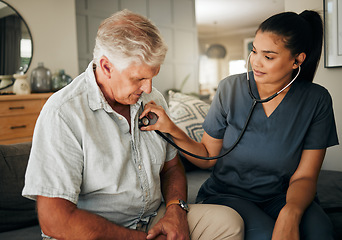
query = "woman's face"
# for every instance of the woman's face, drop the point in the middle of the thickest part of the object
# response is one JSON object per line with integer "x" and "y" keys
{"x": 271, "y": 62}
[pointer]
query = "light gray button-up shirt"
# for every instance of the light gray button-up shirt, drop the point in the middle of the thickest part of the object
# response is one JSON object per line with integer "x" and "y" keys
{"x": 83, "y": 151}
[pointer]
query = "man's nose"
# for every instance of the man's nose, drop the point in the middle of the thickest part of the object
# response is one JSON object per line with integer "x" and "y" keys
{"x": 147, "y": 86}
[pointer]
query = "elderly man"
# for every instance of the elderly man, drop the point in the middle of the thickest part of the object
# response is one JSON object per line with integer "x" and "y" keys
{"x": 94, "y": 174}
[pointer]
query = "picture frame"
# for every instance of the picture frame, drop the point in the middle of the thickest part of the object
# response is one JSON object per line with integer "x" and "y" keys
{"x": 332, "y": 33}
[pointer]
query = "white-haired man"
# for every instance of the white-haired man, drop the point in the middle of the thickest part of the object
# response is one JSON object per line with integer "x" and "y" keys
{"x": 94, "y": 174}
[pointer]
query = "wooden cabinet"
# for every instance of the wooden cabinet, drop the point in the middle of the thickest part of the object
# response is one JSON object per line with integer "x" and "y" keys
{"x": 18, "y": 115}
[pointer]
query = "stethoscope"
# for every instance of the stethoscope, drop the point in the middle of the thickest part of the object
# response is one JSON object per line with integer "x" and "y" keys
{"x": 149, "y": 121}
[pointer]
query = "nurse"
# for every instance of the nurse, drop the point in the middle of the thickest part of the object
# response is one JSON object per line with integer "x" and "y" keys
{"x": 270, "y": 177}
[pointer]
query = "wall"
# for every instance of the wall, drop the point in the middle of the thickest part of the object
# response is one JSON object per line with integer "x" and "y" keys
{"x": 176, "y": 22}
{"x": 53, "y": 27}
{"x": 330, "y": 78}
{"x": 234, "y": 46}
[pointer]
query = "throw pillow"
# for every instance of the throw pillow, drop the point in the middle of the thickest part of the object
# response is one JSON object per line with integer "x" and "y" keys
{"x": 188, "y": 113}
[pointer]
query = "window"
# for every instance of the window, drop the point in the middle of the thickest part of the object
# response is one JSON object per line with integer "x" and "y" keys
{"x": 237, "y": 66}
{"x": 208, "y": 72}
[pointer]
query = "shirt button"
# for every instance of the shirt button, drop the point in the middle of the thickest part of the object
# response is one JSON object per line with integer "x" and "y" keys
{"x": 120, "y": 118}
{"x": 139, "y": 167}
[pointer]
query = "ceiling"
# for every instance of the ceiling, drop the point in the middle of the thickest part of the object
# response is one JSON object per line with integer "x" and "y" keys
{"x": 217, "y": 18}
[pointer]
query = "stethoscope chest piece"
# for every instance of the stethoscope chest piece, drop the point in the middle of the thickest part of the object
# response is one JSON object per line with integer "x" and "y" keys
{"x": 150, "y": 119}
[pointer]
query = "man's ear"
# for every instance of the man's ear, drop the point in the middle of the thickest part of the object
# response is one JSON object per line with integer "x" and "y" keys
{"x": 106, "y": 66}
{"x": 299, "y": 60}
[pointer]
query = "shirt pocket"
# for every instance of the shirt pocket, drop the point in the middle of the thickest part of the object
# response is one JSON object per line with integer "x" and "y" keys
{"x": 153, "y": 147}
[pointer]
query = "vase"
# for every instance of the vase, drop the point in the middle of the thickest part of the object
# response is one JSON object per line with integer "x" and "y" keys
{"x": 21, "y": 86}
{"x": 41, "y": 79}
{"x": 60, "y": 80}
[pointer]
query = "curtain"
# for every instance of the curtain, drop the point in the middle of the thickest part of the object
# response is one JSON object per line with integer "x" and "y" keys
{"x": 10, "y": 36}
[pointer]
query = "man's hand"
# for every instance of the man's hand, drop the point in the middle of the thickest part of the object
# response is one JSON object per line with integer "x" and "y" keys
{"x": 173, "y": 225}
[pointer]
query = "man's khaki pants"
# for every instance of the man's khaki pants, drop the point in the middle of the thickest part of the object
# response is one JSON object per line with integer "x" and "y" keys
{"x": 208, "y": 222}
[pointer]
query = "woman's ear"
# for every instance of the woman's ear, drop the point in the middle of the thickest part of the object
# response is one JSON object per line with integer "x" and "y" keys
{"x": 106, "y": 66}
{"x": 299, "y": 59}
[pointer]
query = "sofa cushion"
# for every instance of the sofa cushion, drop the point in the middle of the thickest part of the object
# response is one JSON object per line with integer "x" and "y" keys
{"x": 26, "y": 233}
{"x": 329, "y": 191}
{"x": 188, "y": 113}
{"x": 15, "y": 210}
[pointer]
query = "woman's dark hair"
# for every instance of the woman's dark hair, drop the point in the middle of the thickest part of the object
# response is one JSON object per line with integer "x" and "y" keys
{"x": 302, "y": 33}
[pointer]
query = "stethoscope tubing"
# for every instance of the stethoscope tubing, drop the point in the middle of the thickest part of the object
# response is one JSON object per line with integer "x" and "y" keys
{"x": 255, "y": 101}
{"x": 215, "y": 157}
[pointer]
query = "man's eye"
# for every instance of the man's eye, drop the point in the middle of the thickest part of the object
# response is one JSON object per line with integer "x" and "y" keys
{"x": 269, "y": 58}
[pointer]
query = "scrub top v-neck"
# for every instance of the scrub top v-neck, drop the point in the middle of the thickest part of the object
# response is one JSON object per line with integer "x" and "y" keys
{"x": 261, "y": 165}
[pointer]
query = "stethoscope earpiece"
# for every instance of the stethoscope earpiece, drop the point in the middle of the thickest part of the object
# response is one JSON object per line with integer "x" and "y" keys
{"x": 274, "y": 95}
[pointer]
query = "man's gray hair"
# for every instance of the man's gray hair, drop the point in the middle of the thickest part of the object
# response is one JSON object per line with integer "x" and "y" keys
{"x": 126, "y": 38}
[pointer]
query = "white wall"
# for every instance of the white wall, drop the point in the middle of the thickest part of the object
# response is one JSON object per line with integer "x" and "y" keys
{"x": 53, "y": 27}
{"x": 234, "y": 45}
{"x": 176, "y": 22}
{"x": 330, "y": 78}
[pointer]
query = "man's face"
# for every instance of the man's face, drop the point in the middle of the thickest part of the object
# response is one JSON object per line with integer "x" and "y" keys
{"x": 126, "y": 87}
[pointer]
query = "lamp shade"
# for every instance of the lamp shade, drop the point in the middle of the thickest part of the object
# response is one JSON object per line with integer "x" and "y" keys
{"x": 216, "y": 51}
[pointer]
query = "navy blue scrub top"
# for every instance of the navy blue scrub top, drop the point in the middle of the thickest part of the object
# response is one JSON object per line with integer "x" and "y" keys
{"x": 261, "y": 165}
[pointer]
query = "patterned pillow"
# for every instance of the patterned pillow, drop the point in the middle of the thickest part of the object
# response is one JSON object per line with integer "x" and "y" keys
{"x": 188, "y": 113}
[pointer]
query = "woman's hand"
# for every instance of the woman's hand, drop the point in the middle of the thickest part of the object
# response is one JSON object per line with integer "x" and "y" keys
{"x": 287, "y": 225}
{"x": 163, "y": 124}
{"x": 208, "y": 146}
{"x": 300, "y": 194}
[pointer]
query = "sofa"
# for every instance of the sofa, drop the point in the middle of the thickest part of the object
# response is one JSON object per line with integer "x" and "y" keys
{"x": 18, "y": 218}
